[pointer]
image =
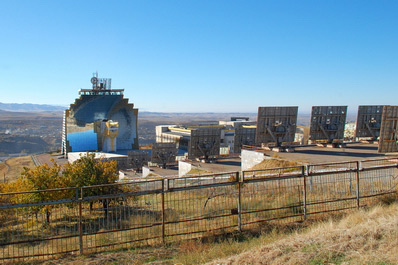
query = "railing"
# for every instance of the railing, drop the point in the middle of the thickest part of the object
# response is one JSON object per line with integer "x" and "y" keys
{"x": 91, "y": 219}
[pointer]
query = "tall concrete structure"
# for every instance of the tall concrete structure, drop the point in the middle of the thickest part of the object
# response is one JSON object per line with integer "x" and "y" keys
{"x": 101, "y": 119}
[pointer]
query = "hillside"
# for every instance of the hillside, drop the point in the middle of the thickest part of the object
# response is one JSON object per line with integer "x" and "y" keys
{"x": 12, "y": 168}
{"x": 22, "y": 144}
{"x": 362, "y": 237}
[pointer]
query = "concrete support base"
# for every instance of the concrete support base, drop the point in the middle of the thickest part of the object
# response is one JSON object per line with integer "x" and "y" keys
{"x": 283, "y": 149}
{"x": 369, "y": 141}
{"x": 335, "y": 145}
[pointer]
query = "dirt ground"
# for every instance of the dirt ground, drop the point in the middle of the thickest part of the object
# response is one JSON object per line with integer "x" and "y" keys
{"x": 46, "y": 159}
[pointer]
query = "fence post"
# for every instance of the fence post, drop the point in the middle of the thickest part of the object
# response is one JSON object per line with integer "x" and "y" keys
{"x": 239, "y": 202}
{"x": 357, "y": 177}
{"x": 163, "y": 214}
{"x": 80, "y": 220}
{"x": 304, "y": 172}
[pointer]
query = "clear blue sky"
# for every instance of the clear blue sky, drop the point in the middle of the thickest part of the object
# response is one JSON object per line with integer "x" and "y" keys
{"x": 202, "y": 56}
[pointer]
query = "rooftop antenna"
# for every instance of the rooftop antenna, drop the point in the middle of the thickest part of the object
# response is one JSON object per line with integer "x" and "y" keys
{"x": 94, "y": 80}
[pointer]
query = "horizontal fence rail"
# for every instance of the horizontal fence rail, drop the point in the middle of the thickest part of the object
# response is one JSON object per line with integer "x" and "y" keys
{"x": 45, "y": 223}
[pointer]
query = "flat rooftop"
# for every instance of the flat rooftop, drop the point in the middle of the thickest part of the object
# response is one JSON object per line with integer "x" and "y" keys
{"x": 309, "y": 154}
{"x": 317, "y": 154}
{"x": 73, "y": 156}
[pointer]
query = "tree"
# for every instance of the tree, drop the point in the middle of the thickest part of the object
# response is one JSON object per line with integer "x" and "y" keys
{"x": 88, "y": 171}
{"x": 4, "y": 200}
{"x": 40, "y": 178}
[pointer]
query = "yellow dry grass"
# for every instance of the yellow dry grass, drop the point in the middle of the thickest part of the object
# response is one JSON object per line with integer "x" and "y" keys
{"x": 197, "y": 172}
{"x": 153, "y": 176}
{"x": 274, "y": 163}
{"x": 3, "y": 169}
{"x": 13, "y": 167}
{"x": 364, "y": 237}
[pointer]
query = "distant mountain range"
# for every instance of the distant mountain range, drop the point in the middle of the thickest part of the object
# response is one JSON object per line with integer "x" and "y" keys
{"x": 28, "y": 107}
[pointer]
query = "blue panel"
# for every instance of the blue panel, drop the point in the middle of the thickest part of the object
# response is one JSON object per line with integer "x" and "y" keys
{"x": 83, "y": 141}
{"x": 94, "y": 108}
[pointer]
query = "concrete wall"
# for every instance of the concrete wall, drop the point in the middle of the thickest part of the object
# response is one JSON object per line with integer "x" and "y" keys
{"x": 145, "y": 171}
{"x": 250, "y": 159}
{"x": 183, "y": 168}
{"x": 121, "y": 175}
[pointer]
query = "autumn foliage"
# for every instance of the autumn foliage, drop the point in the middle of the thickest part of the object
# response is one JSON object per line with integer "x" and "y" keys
{"x": 88, "y": 171}
{"x": 51, "y": 182}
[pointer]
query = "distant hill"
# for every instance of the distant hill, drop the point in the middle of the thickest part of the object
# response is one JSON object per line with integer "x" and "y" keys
{"x": 27, "y": 107}
{"x": 15, "y": 114}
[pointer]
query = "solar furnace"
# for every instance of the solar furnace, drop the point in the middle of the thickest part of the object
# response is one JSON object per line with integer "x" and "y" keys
{"x": 93, "y": 106}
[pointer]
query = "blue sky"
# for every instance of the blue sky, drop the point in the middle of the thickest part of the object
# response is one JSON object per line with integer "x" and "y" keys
{"x": 202, "y": 56}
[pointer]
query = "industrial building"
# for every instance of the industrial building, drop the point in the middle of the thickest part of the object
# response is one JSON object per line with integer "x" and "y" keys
{"x": 234, "y": 133}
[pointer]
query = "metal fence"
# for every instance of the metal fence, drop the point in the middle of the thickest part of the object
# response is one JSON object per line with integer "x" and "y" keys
{"x": 91, "y": 219}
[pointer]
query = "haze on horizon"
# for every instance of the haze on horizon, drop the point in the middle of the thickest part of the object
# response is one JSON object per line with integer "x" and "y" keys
{"x": 202, "y": 56}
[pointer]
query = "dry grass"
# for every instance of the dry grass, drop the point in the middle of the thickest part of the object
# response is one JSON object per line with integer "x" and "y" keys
{"x": 274, "y": 163}
{"x": 153, "y": 176}
{"x": 197, "y": 172}
{"x": 13, "y": 167}
{"x": 364, "y": 237}
{"x": 149, "y": 255}
{"x": 3, "y": 169}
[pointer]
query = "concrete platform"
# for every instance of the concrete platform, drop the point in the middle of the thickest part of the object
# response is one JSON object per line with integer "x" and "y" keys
{"x": 221, "y": 165}
{"x": 316, "y": 154}
{"x": 307, "y": 154}
{"x": 73, "y": 156}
